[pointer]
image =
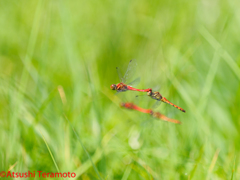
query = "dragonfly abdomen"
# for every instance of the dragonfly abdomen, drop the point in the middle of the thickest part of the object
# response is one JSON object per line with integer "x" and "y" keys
{"x": 168, "y": 102}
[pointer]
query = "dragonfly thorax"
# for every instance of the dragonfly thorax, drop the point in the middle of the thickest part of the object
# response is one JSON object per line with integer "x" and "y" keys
{"x": 121, "y": 87}
{"x": 156, "y": 95}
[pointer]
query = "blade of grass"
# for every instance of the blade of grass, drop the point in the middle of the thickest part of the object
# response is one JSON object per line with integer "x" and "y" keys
{"x": 191, "y": 174}
{"x": 139, "y": 171}
{"x": 45, "y": 103}
{"x": 214, "y": 160}
{"x": 209, "y": 81}
{"x": 127, "y": 173}
{"x": 85, "y": 150}
{"x": 11, "y": 167}
{"x": 233, "y": 170}
{"x": 50, "y": 152}
{"x": 217, "y": 46}
{"x": 72, "y": 58}
{"x": 149, "y": 170}
{"x": 185, "y": 96}
{"x": 97, "y": 155}
{"x": 18, "y": 97}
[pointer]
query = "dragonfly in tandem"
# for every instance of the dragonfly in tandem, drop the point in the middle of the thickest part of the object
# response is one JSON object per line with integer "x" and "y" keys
{"x": 157, "y": 96}
{"x": 149, "y": 111}
{"x": 120, "y": 87}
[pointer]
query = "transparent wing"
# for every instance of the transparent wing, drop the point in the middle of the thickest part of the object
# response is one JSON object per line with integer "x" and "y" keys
{"x": 120, "y": 76}
{"x": 157, "y": 88}
{"x": 130, "y": 70}
{"x": 156, "y": 104}
{"x": 135, "y": 82}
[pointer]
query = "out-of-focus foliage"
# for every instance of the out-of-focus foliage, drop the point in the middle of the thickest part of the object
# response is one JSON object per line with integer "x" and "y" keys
{"x": 58, "y": 60}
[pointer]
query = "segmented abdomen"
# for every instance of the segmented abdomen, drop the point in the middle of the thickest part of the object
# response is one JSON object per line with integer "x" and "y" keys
{"x": 168, "y": 102}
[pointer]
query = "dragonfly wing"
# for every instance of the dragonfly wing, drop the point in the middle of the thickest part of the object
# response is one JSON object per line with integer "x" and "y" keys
{"x": 120, "y": 76}
{"x": 156, "y": 104}
{"x": 135, "y": 82}
{"x": 157, "y": 88}
{"x": 130, "y": 69}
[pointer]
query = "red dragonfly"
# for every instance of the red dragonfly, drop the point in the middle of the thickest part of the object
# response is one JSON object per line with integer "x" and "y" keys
{"x": 156, "y": 95}
{"x": 149, "y": 111}
{"x": 124, "y": 87}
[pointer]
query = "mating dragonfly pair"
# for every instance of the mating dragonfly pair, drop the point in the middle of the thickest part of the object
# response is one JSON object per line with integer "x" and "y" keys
{"x": 121, "y": 87}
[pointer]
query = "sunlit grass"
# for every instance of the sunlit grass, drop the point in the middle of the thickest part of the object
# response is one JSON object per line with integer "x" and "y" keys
{"x": 58, "y": 59}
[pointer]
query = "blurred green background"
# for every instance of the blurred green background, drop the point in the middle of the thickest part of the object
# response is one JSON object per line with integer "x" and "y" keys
{"x": 58, "y": 60}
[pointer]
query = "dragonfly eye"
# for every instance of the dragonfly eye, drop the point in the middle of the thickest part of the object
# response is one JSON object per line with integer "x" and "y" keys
{"x": 113, "y": 87}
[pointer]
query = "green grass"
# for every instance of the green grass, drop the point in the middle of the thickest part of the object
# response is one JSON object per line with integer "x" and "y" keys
{"x": 58, "y": 113}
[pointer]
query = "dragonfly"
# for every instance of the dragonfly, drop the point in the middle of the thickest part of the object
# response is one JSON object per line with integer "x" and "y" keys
{"x": 120, "y": 87}
{"x": 149, "y": 111}
{"x": 157, "y": 96}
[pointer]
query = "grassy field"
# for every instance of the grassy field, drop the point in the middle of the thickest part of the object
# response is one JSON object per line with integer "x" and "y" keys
{"x": 58, "y": 113}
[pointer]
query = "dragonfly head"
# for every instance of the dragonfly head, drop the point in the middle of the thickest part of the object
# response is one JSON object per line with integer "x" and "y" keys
{"x": 113, "y": 87}
{"x": 149, "y": 93}
{"x": 122, "y": 104}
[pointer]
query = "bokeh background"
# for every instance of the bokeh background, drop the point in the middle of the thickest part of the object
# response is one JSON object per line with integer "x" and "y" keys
{"x": 58, "y": 60}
